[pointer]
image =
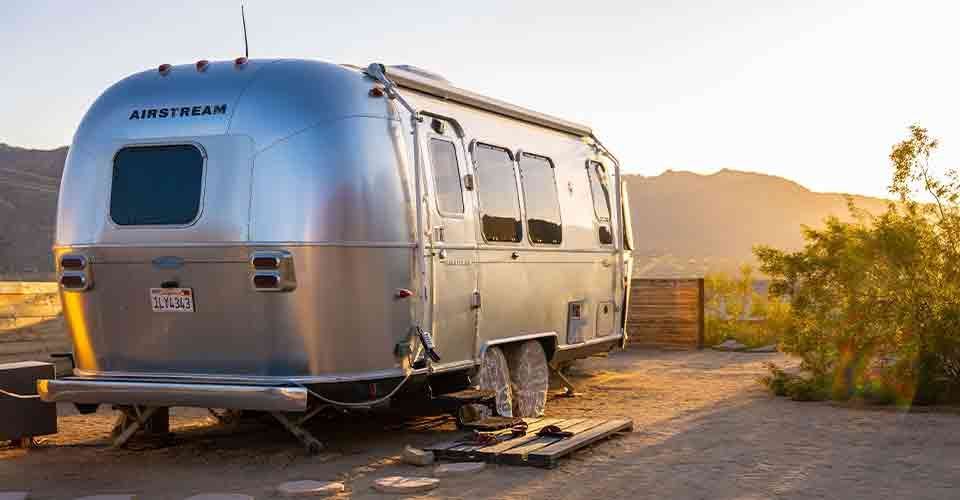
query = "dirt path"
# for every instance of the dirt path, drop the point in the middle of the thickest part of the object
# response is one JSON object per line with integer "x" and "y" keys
{"x": 704, "y": 429}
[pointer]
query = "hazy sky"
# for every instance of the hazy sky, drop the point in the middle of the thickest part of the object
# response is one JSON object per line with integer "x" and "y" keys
{"x": 815, "y": 91}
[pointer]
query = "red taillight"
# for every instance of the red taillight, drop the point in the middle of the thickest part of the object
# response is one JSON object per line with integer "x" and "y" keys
{"x": 376, "y": 92}
{"x": 202, "y": 65}
{"x": 73, "y": 281}
{"x": 164, "y": 69}
{"x": 240, "y": 61}
{"x": 403, "y": 293}
{"x": 73, "y": 262}
{"x": 266, "y": 262}
{"x": 266, "y": 281}
{"x": 272, "y": 271}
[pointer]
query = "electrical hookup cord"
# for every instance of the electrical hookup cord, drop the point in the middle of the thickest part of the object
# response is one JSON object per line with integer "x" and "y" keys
{"x": 373, "y": 402}
{"x": 19, "y": 396}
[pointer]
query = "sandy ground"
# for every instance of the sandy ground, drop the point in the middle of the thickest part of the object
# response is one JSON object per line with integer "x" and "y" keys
{"x": 704, "y": 429}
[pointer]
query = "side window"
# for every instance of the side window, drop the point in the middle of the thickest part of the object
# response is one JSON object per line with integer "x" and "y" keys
{"x": 497, "y": 189}
{"x": 540, "y": 198}
{"x": 446, "y": 176}
{"x": 601, "y": 200}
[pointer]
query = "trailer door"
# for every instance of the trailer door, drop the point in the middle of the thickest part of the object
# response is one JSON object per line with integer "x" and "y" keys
{"x": 453, "y": 244}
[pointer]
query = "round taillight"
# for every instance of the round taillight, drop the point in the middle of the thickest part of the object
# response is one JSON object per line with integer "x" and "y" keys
{"x": 202, "y": 65}
{"x": 403, "y": 293}
{"x": 240, "y": 61}
{"x": 73, "y": 281}
{"x": 164, "y": 69}
{"x": 73, "y": 262}
{"x": 376, "y": 92}
{"x": 266, "y": 262}
{"x": 266, "y": 281}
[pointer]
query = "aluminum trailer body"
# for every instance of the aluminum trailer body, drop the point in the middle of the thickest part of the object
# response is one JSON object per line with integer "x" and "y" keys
{"x": 237, "y": 234}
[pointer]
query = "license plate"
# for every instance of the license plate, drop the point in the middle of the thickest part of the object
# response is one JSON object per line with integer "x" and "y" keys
{"x": 171, "y": 299}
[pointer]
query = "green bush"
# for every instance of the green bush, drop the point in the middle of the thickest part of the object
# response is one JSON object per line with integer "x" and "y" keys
{"x": 796, "y": 387}
{"x": 728, "y": 299}
{"x": 875, "y": 303}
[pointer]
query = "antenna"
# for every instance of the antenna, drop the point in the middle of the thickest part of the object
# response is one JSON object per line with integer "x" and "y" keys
{"x": 246, "y": 47}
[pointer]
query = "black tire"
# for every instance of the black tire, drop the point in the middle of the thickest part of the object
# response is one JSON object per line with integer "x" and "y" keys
{"x": 530, "y": 378}
{"x": 495, "y": 376}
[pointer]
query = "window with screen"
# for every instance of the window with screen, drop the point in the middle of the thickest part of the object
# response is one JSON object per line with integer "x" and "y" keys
{"x": 499, "y": 199}
{"x": 537, "y": 176}
{"x": 156, "y": 185}
{"x": 601, "y": 200}
{"x": 446, "y": 176}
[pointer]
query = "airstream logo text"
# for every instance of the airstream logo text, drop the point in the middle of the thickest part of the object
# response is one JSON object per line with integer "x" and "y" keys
{"x": 179, "y": 112}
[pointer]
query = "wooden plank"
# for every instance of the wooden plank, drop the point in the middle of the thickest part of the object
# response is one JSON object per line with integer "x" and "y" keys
{"x": 518, "y": 454}
{"x": 532, "y": 427}
{"x": 459, "y": 441}
{"x": 28, "y": 287}
{"x": 529, "y": 437}
{"x": 534, "y": 450}
{"x": 548, "y": 456}
{"x": 458, "y": 450}
{"x": 666, "y": 312}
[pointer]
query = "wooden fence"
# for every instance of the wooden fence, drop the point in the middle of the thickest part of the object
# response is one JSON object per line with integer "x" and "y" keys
{"x": 666, "y": 313}
{"x": 31, "y": 325}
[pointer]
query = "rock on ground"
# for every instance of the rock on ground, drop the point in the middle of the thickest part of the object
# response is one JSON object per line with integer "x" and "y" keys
{"x": 730, "y": 345}
{"x": 220, "y": 496}
{"x": 401, "y": 484}
{"x": 457, "y": 469}
{"x": 416, "y": 456}
{"x": 108, "y": 497}
{"x": 309, "y": 488}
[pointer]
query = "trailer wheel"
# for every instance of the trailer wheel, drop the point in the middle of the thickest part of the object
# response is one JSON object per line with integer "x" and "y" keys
{"x": 530, "y": 376}
{"x": 495, "y": 376}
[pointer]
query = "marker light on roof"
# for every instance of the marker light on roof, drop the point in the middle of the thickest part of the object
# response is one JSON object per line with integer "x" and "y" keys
{"x": 202, "y": 65}
{"x": 240, "y": 61}
{"x": 164, "y": 69}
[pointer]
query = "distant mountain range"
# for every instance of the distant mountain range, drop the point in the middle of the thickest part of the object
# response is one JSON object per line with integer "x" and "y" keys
{"x": 29, "y": 180}
{"x": 685, "y": 224}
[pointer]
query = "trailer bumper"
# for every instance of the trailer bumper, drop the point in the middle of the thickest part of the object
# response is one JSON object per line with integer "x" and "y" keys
{"x": 273, "y": 398}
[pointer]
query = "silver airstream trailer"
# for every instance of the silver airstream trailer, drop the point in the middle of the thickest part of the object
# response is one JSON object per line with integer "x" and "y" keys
{"x": 276, "y": 235}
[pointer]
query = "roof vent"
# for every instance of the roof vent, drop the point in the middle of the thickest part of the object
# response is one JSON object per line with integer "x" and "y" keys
{"x": 419, "y": 72}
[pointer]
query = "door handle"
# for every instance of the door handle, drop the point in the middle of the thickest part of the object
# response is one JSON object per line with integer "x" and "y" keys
{"x": 515, "y": 255}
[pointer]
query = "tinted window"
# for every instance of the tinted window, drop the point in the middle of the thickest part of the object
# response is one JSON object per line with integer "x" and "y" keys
{"x": 601, "y": 200}
{"x": 156, "y": 185}
{"x": 446, "y": 176}
{"x": 598, "y": 186}
{"x": 499, "y": 200}
{"x": 540, "y": 199}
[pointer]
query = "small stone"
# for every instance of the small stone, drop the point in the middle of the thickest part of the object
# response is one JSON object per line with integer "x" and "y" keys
{"x": 309, "y": 488}
{"x": 729, "y": 345}
{"x": 416, "y": 456}
{"x": 108, "y": 497}
{"x": 14, "y": 495}
{"x": 220, "y": 496}
{"x": 457, "y": 469}
{"x": 400, "y": 484}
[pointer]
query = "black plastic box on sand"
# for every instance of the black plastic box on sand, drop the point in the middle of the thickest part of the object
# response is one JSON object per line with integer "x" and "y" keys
{"x": 24, "y": 418}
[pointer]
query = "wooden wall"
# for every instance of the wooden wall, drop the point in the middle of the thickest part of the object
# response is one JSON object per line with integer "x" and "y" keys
{"x": 666, "y": 313}
{"x": 31, "y": 324}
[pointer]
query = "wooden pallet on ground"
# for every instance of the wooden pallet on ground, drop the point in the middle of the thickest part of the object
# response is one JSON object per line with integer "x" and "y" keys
{"x": 531, "y": 449}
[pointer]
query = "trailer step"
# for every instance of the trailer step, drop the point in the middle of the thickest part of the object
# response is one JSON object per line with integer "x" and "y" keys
{"x": 530, "y": 449}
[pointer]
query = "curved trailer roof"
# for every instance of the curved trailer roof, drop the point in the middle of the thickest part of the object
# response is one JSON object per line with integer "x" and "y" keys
{"x": 417, "y": 81}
